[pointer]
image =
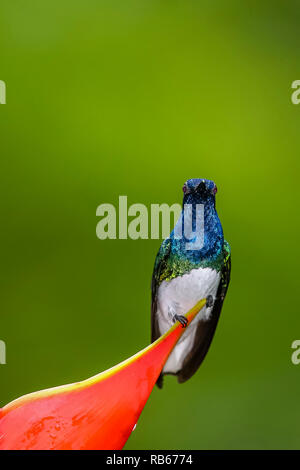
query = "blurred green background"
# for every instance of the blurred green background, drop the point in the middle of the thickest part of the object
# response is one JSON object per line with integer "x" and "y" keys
{"x": 133, "y": 98}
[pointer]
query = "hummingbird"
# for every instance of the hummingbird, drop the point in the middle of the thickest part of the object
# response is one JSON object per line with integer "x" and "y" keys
{"x": 187, "y": 270}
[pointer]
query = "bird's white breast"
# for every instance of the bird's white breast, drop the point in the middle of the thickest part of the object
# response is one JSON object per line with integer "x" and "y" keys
{"x": 181, "y": 294}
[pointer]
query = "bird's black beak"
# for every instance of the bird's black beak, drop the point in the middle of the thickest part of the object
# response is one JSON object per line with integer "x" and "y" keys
{"x": 201, "y": 188}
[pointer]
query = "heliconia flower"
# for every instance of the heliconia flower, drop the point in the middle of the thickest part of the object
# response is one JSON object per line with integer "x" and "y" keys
{"x": 97, "y": 413}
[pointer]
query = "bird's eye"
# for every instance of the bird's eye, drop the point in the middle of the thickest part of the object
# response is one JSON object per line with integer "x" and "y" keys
{"x": 184, "y": 188}
{"x": 215, "y": 190}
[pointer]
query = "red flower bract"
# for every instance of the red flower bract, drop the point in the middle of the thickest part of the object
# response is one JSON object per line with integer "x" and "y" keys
{"x": 98, "y": 413}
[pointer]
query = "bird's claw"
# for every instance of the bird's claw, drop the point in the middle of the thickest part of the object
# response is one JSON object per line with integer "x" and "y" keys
{"x": 209, "y": 301}
{"x": 182, "y": 320}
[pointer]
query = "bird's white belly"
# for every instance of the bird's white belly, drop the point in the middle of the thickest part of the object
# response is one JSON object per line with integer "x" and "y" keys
{"x": 180, "y": 295}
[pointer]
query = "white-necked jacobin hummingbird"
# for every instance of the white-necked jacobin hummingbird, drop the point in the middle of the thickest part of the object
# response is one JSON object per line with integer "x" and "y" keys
{"x": 182, "y": 276}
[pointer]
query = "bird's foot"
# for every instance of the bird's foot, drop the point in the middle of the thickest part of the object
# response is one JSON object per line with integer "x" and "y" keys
{"x": 209, "y": 301}
{"x": 174, "y": 317}
{"x": 182, "y": 320}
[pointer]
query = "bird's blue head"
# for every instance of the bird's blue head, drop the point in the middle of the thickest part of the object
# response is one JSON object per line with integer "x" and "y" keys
{"x": 201, "y": 224}
{"x": 199, "y": 191}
